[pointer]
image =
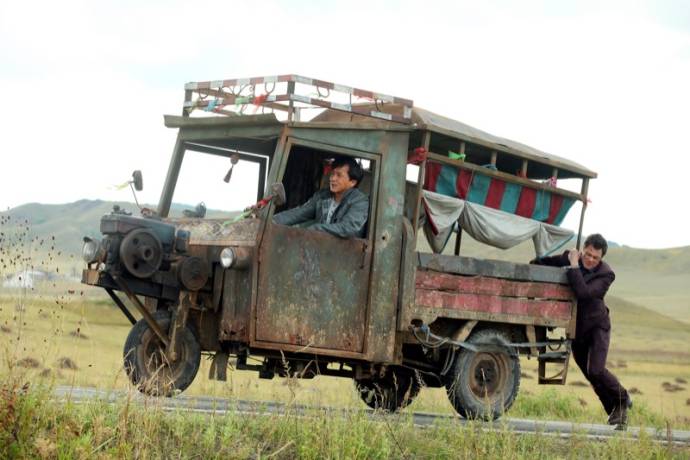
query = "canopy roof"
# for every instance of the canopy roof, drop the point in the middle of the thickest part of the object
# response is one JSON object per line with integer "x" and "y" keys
{"x": 428, "y": 121}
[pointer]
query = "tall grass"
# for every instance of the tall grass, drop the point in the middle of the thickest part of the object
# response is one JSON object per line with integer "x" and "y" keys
{"x": 32, "y": 425}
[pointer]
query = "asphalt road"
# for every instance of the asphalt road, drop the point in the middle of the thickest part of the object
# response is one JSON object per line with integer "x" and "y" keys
{"x": 219, "y": 406}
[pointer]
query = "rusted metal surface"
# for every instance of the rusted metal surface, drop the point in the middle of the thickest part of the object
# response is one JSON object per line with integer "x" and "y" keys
{"x": 235, "y": 305}
{"x": 388, "y": 229}
{"x": 318, "y": 296}
{"x": 492, "y": 268}
{"x": 144, "y": 312}
{"x": 90, "y": 276}
{"x": 219, "y": 232}
{"x": 491, "y": 286}
{"x": 408, "y": 269}
{"x": 557, "y": 311}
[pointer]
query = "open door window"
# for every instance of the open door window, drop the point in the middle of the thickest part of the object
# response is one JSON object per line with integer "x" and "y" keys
{"x": 314, "y": 286}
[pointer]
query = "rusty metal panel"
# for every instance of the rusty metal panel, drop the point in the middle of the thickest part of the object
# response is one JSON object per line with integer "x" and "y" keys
{"x": 237, "y": 292}
{"x": 494, "y": 304}
{"x": 408, "y": 270}
{"x": 219, "y": 232}
{"x": 312, "y": 289}
{"x": 365, "y": 141}
{"x": 491, "y": 286}
{"x": 493, "y": 268}
{"x": 385, "y": 275}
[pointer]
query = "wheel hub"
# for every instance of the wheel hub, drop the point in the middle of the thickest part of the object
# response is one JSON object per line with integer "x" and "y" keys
{"x": 487, "y": 376}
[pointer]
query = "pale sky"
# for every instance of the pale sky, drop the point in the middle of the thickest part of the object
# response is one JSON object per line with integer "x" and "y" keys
{"x": 606, "y": 84}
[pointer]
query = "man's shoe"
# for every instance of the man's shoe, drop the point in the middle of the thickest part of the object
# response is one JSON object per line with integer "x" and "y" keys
{"x": 619, "y": 415}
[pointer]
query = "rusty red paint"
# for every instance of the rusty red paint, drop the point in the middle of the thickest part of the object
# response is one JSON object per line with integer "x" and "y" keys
{"x": 491, "y": 304}
{"x": 491, "y": 286}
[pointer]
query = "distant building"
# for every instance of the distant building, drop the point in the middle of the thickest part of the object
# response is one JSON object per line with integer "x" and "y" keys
{"x": 26, "y": 279}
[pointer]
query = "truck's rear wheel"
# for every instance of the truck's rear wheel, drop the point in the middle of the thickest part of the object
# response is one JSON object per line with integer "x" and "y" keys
{"x": 146, "y": 362}
{"x": 393, "y": 392}
{"x": 484, "y": 384}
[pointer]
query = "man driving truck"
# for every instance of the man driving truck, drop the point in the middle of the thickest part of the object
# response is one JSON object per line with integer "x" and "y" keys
{"x": 341, "y": 209}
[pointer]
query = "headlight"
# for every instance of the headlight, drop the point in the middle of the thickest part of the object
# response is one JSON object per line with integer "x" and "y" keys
{"x": 91, "y": 251}
{"x": 227, "y": 257}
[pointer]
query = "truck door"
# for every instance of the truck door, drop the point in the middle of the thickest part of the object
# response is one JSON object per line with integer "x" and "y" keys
{"x": 313, "y": 287}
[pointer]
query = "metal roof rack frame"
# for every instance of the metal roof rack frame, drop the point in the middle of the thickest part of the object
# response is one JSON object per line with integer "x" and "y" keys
{"x": 290, "y": 94}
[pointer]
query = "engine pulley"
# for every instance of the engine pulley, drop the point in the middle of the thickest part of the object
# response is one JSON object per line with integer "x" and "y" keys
{"x": 193, "y": 273}
{"x": 141, "y": 252}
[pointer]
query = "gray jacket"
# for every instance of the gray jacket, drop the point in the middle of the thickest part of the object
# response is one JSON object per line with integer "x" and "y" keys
{"x": 348, "y": 221}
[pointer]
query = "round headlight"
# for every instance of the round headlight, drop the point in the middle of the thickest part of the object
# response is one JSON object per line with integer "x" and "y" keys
{"x": 227, "y": 257}
{"x": 90, "y": 252}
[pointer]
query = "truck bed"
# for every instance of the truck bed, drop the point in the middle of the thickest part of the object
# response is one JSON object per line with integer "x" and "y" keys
{"x": 489, "y": 290}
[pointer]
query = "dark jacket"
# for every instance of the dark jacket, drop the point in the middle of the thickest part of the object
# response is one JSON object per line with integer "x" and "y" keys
{"x": 590, "y": 287}
{"x": 349, "y": 219}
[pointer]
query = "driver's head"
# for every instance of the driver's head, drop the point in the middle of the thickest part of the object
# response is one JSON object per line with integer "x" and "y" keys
{"x": 346, "y": 174}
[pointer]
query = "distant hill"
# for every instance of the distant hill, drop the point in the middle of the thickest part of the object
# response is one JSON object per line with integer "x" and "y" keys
{"x": 70, "y": 222}
{"x": 653, "y": 278}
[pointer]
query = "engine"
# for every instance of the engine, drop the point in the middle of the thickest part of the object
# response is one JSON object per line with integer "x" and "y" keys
{"x": 148, "y": 254}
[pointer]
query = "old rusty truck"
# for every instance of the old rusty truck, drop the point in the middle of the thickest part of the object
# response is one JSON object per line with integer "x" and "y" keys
{"x": 394, "y": 311}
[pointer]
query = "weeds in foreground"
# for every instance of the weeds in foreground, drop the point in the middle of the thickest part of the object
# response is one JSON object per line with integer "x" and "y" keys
{"x": 34, "y": 425}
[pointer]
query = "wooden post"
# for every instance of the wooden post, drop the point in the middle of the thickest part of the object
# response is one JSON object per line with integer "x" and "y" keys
{"x": 585, "y": 190}
{"x": 291, "y": 104}
{"x": 187, "y": 98}
{"x": 420, "y": 184}
{"x": 494, "y": 156}
{"x": 523, "y": 170}
{"x": 458, "y": 239}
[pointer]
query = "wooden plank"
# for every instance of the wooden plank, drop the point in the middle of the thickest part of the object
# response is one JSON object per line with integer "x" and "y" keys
{"x": 420, "y": 185}
{"x": 494, "y": 305}
{"x": 491, "y": 286}
{"x": 585, "y": 190}
{"x": 430, "y": 314}
{"x": 501, "y": 175}
{"x": 491, "y": 268}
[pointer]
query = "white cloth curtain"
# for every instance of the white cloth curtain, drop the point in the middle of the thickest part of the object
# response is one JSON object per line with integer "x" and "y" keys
{"x": 490, "y": 226}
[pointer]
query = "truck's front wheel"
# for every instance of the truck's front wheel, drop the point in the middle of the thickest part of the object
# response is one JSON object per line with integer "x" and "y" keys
{"x": 484, "y": 384}
{"x": 146, "y": 362}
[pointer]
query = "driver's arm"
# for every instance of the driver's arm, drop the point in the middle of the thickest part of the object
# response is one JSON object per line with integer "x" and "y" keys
{"x": 300, "y": 214}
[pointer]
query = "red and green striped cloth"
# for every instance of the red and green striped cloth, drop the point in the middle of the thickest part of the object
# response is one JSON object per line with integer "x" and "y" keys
{"x": 475, "y": 187}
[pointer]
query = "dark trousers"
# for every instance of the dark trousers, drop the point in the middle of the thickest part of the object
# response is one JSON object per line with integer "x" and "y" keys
{"x": 590, "y": 355}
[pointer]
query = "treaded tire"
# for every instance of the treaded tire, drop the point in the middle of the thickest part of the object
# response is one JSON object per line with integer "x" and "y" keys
{"x": 393, "y": 392}
{"x": 145, "y": 362}
{"x": 483, "y": 385}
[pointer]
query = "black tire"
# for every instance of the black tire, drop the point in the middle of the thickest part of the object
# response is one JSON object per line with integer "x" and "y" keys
{"x": 147, "y": 366}
{"x": 393, "y": 392}
{"x": 483, "y": 385}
